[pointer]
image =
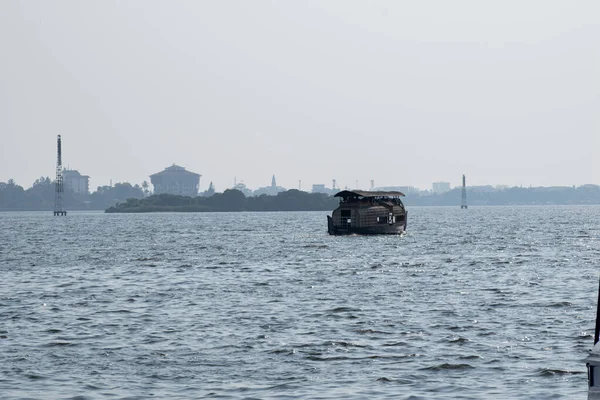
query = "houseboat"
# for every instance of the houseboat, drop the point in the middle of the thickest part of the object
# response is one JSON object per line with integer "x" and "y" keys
{"x": 368, "y": 213}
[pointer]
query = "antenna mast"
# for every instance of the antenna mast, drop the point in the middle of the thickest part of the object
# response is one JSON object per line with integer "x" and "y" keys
{"x": 58, "y": 197}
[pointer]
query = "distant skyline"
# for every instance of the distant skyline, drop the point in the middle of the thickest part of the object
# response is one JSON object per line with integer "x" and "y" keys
{"x": 402, "y": 92}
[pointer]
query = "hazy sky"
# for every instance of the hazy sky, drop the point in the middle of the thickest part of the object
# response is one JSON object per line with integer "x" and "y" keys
{"x": 402, "y": 92}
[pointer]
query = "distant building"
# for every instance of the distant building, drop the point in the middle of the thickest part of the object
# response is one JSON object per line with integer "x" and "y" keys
{"x": 319, "y": 188}
{"x": 241, "y": 186}
{"x": 210, "y": 191}
{"x": 403, "y": 189}
{"x": 482, "y": 189}
{"x": 440, "y": 187}
{"x": 176, "y": 180}
{"x": 76, "y": 182}
{"x": 269, "y": 190}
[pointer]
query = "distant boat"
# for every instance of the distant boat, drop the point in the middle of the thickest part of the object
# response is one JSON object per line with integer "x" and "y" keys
{"x": 368, "y": 213}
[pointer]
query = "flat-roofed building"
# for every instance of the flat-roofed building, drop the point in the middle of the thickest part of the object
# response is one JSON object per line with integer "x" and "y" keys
{"x": 403, "y": 189}
{"x": 176, "y": 180}
{"x": 76, "y": 182}
{"x": 440, "y": 187}
{"x": 320, "y": 188}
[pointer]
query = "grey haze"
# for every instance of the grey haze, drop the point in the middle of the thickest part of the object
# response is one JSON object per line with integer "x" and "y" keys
{"x": 405, "y": 93}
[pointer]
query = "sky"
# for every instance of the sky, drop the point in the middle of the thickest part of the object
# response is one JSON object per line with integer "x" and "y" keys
{"x": 399, "y": 92}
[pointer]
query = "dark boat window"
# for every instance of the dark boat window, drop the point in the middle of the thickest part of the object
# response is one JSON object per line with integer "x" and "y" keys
{"x": 382, "y": 220}
{"x": 346, "y": 213}
{"x": 399, "y": 218}
{"x": 593, "y": 375}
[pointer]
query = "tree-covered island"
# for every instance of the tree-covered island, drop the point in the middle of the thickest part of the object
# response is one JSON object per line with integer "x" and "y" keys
{"x": 229, "y": 200}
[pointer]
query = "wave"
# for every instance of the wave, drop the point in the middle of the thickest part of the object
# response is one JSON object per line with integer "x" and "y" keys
{"x": 553, "y": 372}
{"x": 459, "y": 340}
{"x": 448, "y": 366}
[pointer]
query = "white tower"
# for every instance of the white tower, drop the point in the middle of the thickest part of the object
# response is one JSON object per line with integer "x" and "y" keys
{"x": 463, "y": 203}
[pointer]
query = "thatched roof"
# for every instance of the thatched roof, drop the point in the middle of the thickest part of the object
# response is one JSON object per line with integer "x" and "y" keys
{"x": 364, "y": 193}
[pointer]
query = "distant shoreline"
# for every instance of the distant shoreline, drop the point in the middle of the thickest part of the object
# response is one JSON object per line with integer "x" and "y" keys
{"x": 294, "y": 200}
{"x": 181, "y": 211}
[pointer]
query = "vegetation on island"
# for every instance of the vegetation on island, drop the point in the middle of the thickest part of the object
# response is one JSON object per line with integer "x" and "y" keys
{"x": 40, "y": 196}
{"x": 230, "y": 200}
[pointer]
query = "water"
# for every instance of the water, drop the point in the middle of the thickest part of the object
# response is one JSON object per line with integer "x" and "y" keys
{"x": 494, "y": 302}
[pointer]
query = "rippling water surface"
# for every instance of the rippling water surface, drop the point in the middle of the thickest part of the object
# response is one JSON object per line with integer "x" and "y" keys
{"x": 485, "y": 303}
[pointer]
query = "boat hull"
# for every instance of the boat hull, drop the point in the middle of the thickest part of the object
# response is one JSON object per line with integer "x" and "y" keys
{"x": 396, "y": 229}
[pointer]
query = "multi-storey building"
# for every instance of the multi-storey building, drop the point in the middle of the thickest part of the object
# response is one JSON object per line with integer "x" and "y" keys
{"x": 76, "y": 182}
{"x": 176, "y": 180}
{"x": 440, "y": 187}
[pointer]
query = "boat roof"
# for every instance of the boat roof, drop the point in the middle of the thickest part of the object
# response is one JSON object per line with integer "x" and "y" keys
{"x": 365, "y": 193}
